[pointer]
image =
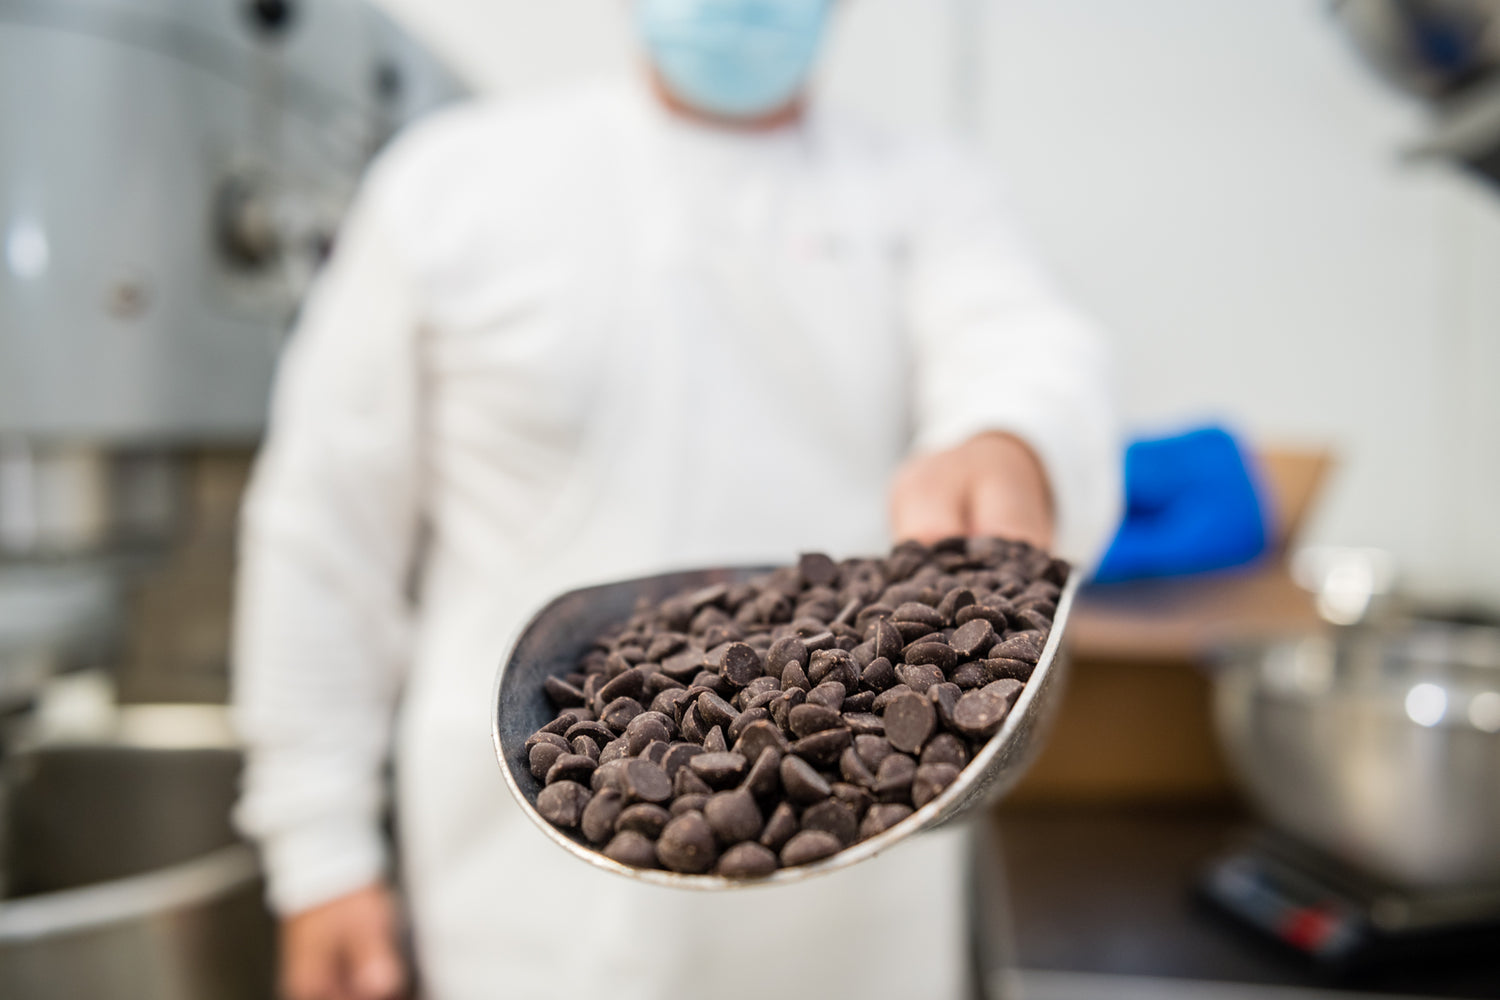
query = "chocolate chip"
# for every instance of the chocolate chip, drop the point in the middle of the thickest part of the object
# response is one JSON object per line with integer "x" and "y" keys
{"x": 633, "y": 849}
{"x": 882, "y": 816}
{"x": 687, "y": 844}
{"x": 794, "y": 678}
{"x": 596, "y": 731}
{"x": 909, "y": 721}
{"x": 561, "y": 693}
{"x": 677, "y": 756}
{"x": 809, "y": 718}
{"x": 757, "y": 737}
{"x": 829, "y": 694}
{"x": 733, "y": 816}
{"x": 643, "y": 781}
{"x": 715, "y": 742}
{"x": 936, "y": 653}
{"x": 954, "y": 601}
{"x": 802, "y": 781}
{"x": 737, "y": 727}
{"x": 690, "y": 802}
{"x": 973, "y": 638}
{"x": 979, "y": 714}
{"x": 747, "y": 861}
{"x": 853, "y": 768}
{"x": 764, "y": 779}
{"x": 864, "y": 723}
{"x": 546, "y": 737}
{"x": 542, "y": 757}
{"x": 780, "y": 827}
{"x": 970, "y": 675}
{"x": 999, "y": 669}
{"x": 719, "y": 769}
{"x": 644, "y": 818}
{"x": 929, "y": 781}
{"x": 894, "y": 777}
{"x": 784, "y": 651}
{"x": 944, "y": 697}
{"x": 685, "y": 782}
{"x": 1016, "y": 647}
{"x": 822, "y": 748}
{"x": 598, "y": 820}
{"x": 587, "y": 747}
{"x": 912, "y": 611}
{"x": 945, "y": 748}
{"x": 817, "y": 569}
{"x": 740, "y": 664}
{"x": 919, "y": 676}
{"x": 872, "y": 750}
{"x": 979, "y": 612}
{"x": 888, "y": 641}
{"x": 631, "y": 684}
{"x": 571, "y": 767}
{"x": 832, "y": 816}
{"x": 618, "y": 713}
{"x": 562, "y": 803}
{"x": 809, "y": 846}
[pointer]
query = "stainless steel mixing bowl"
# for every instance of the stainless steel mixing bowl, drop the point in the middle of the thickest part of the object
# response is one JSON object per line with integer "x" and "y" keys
{"x": 1379, "y": 746}
{"x": 561, "y": 632}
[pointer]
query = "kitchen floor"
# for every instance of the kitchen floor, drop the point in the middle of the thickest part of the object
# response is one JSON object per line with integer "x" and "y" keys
{"x": 1102, "y": 904}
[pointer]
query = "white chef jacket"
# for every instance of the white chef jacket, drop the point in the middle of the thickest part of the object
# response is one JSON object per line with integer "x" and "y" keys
{"x": 574, "y": 339}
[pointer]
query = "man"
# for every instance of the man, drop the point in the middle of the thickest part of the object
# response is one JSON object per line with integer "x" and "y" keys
{"x": 598, "y": 335}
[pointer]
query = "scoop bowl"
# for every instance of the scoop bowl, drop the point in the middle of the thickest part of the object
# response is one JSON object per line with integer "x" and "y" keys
{"x": 552, "y": 642}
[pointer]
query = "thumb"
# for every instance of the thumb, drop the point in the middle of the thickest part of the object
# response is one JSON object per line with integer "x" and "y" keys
{"x": 377, "y": 971}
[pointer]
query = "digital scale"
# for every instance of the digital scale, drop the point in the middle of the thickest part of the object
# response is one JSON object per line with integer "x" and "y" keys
{"x": 1342, "y": 918}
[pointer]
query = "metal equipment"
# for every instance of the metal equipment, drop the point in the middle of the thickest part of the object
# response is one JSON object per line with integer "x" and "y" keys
{"x": 552, "y": 642}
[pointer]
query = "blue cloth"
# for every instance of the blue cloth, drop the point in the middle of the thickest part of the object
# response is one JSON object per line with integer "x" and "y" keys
{"x": 1191, "y": 505}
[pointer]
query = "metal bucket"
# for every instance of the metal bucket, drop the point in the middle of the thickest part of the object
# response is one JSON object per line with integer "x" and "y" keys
{"x": 552, "y": 642}
{"x": 125, "y": 880}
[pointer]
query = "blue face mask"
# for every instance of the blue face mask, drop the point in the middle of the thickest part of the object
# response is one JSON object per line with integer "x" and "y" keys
{"x": 733, "y": 58}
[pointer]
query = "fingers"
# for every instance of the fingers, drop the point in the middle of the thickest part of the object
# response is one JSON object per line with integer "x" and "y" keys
{"x": 343, "y": 950}
{"x": 927, "y": 502}
{"x": 376, "y": 970}
{"x": 1009, "y": 507}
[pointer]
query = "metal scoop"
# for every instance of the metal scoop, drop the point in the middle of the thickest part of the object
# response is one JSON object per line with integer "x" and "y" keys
{"x": 554, "y": 640}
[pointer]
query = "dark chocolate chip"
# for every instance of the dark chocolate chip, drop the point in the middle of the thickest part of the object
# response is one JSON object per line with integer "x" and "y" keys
{"x": 945, "y": 748}
{"x": 733, "y": 816}
{"x": 973, "y": 638}
{"x": 929, "y": 781}
{"x": 882, "y": 816}
{"x": 633, "y": 849}
{"x": 598, "y": 822}
{"x": 687, "y": 844}
{"x": 542, "y": 757}
{"x": 747, "y": 860}
{"x": 562, "y": 694}
{"x": 780, "y": 827}
{"x": 719, "y": 769}
{"x": 562, "y": 803}
{"x": 909, "y": 721}
{"x": 643, "y": 781}
{"x": 571, "y": 767}
{"x": 832, "y": 816}
{"x": 809, "y": 846}
{"x": 802, "y": 781}
{"x": 645, "y": 818}
{"x": 764, "y": 779}
{"x": 807, "y": 719}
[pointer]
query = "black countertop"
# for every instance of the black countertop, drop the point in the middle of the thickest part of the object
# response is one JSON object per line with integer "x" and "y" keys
{"x": 1110, "y": 892}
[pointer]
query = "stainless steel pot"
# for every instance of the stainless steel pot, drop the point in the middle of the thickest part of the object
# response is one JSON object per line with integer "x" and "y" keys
{"x": 126, "y": 881}
{"x": 1379, "y": 746}
{"x": 560, "y": 633}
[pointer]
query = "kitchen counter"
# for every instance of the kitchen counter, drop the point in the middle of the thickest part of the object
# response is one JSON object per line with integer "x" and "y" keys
{"x": 1102, "y": 904}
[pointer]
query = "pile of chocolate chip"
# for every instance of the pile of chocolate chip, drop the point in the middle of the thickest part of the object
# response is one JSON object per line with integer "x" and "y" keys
{"x": 740, "y": 728}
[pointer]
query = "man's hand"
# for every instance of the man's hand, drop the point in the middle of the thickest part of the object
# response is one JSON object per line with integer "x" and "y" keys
{"x": 344, "y": 949}
{"x": 991, "y": 484}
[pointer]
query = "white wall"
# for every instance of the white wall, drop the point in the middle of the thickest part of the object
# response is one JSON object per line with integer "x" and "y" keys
{"x": 1217, "y": 181}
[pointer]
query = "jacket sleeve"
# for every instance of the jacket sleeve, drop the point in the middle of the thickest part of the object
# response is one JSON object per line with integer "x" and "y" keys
{"x": 996, "y": 348}
{"x": 327, "y": 537}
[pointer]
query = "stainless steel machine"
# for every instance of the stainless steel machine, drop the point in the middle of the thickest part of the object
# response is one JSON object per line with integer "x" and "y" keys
{"x": 172, "y": 175}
